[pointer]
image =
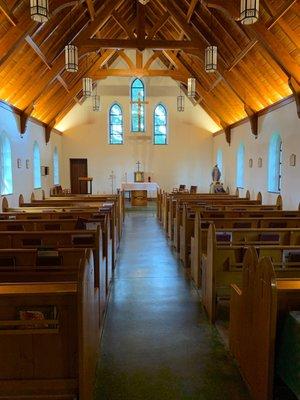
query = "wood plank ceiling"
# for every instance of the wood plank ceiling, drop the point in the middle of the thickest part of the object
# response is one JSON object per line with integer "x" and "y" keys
{"x": 258, "y": 65}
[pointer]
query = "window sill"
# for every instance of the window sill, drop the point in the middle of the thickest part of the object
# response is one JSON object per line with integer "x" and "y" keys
{"x": 37, "y": 188}
{"x": 270, "y": 191}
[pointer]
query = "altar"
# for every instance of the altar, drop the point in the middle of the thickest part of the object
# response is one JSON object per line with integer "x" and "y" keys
{"x": 150, "y": 187}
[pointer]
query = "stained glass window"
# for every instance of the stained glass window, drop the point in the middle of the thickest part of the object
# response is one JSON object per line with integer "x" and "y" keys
{"x": 115, "y": 124}
{"x": 137, "y": 106}
{"x": 160, "y": 124}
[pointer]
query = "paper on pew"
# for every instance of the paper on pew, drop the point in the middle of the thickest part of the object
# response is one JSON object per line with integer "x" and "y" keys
{"x": 92, "y": 226}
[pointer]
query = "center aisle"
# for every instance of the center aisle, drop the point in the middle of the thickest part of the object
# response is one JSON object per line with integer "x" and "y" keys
{"x": 157, "y": 343}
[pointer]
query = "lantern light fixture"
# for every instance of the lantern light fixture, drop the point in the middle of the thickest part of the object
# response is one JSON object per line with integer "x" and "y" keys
{"x": 180, "y": 102}
{"x": 71, "y": 58}
{"x": 191, "y": 87}
{"x": 87, "y": 87}
{"x": 211, "y": 58}
{"x": 96, "y": 103}
{"x": 39, "y": 10}
{"x": 249, "y": 11}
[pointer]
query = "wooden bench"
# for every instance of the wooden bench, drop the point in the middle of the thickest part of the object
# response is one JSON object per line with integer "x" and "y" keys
{"x": 49, "y": 337}
{"x": 257, "y": 309}
{"x": 223, "y": 266}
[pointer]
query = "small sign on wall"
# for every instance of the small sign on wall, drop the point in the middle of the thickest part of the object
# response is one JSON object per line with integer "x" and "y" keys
{"x": 259, "y": 162}
{"x": 292, "y": 160}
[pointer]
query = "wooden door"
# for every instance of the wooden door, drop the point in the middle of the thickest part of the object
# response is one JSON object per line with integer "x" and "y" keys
{"x": 78, "y": 168}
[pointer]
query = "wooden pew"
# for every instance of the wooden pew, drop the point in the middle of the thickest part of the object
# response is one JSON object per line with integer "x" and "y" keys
{"x": 257, "y": 310}
{"x": 52, "y": 352}
{"x": 199, "y": 230}
{"x": 223, "y": 266}
{"x": 99, "y": 240}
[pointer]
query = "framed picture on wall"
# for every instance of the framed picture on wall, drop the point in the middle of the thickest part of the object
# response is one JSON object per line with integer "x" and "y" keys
{"x": 19, "y": 163}
{"x": 292, "y": 160}
{"x": 27, "y": 164}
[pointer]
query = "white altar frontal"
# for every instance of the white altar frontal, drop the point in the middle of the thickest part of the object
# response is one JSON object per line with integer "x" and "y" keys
{"x": 151, "y": 187}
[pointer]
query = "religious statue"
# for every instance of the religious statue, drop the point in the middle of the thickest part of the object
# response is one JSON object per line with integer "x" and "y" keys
{"x": 216, "y": 174}
{"x": 216, "y": 186}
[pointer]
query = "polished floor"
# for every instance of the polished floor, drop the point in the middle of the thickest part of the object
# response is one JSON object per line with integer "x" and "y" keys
{"x": 157, "y": 343}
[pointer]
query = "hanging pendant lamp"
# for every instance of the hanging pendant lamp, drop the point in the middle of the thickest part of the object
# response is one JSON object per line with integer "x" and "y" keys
{"x": 180, "y": 101}
{"x": 96, "y": 103}
{"x": 192, "y": 87}
{"x": 39, "y": 10}
{"x": 87, "y": 87}
{"x": 249, "y": 11}
{"x": 211, "y": 58}
{"x": 71, "y": 58}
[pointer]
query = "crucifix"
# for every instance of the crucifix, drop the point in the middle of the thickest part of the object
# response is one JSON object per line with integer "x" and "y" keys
{"x": 140, "y": 112}
{"x": 138, "y": 175}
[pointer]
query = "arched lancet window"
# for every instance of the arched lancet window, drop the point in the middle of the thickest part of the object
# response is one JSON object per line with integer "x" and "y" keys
{"x": 160, "y": 124}
{"x": 220, "y": 160}
{"x": 275, "y": 163}
{"x": 240, "y": 166}
{"x": 137, "y": 106}
{"x": 56, "y": 179}
{"x": 37, "y": 178}
{"x": 6, "y": 184}
{"x": 115, "y": 124}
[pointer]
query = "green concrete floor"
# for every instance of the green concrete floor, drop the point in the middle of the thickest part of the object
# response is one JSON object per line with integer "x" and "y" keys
{"x": 157, "y": 343}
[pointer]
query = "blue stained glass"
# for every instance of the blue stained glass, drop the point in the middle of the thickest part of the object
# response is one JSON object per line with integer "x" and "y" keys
{"x": 137, "y": 110}
{"x": 115, "y": 124}
{"x": 160, "y": 124}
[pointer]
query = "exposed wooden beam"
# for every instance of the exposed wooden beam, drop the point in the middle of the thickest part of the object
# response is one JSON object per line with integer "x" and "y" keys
{"x": 158, "y": 25}
{"x": 102, "y": 16}
{"x": 227, "y": 131}
{"x": 253, "y": 118}
{"x": 38, "y": 51}
{"x": 243, "y": 54}
{"x": 139, "y": 72}
{"x": 90, "y": 45}
{"x": 189, "y": 15}
{"x": 295, "y": 88}
{"x": 123, "y": 24}
{"x": 24, "y": 116}
{"x": 91, "y": 9}
{"x": 8, "y": 13}
{"x": 63, "y": 83}
{"x": 127, "y": 59}
{"x": 48, "y": 130}
{"x": 155, "y": 55}
{"x": 139, "y": 59}
{"x": 140, "y": 21}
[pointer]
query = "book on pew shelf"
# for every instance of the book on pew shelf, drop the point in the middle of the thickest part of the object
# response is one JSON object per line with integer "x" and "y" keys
{"x": 31, "y": 317}
{"x": 290, "y": 256}
{"x": 37, "y": 313}
{"x": 224, "y": 236}
{"x": 92, "y": 226}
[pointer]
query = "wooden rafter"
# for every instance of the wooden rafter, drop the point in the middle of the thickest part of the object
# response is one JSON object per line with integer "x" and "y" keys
{"x": 89, "y": 45}
{"x": 158, "y": 25}
{"x": 8, "y": 13}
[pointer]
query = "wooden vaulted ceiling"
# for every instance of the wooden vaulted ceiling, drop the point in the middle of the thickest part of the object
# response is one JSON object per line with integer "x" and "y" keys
{"x": 258, "y": 65}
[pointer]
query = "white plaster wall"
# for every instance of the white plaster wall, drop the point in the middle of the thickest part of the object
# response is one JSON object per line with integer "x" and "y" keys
{"x": 186, "y": 159}
{"x": 283, "y": 121}
{"x": 22, "y": 148}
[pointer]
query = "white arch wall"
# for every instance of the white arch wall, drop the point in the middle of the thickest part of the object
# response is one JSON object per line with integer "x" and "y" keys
{"x": 283, "y": 121}
{"x": 22, "y": 148}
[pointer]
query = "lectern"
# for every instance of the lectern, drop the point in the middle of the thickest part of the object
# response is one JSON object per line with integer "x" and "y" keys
{"x": 88, "y": 182}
